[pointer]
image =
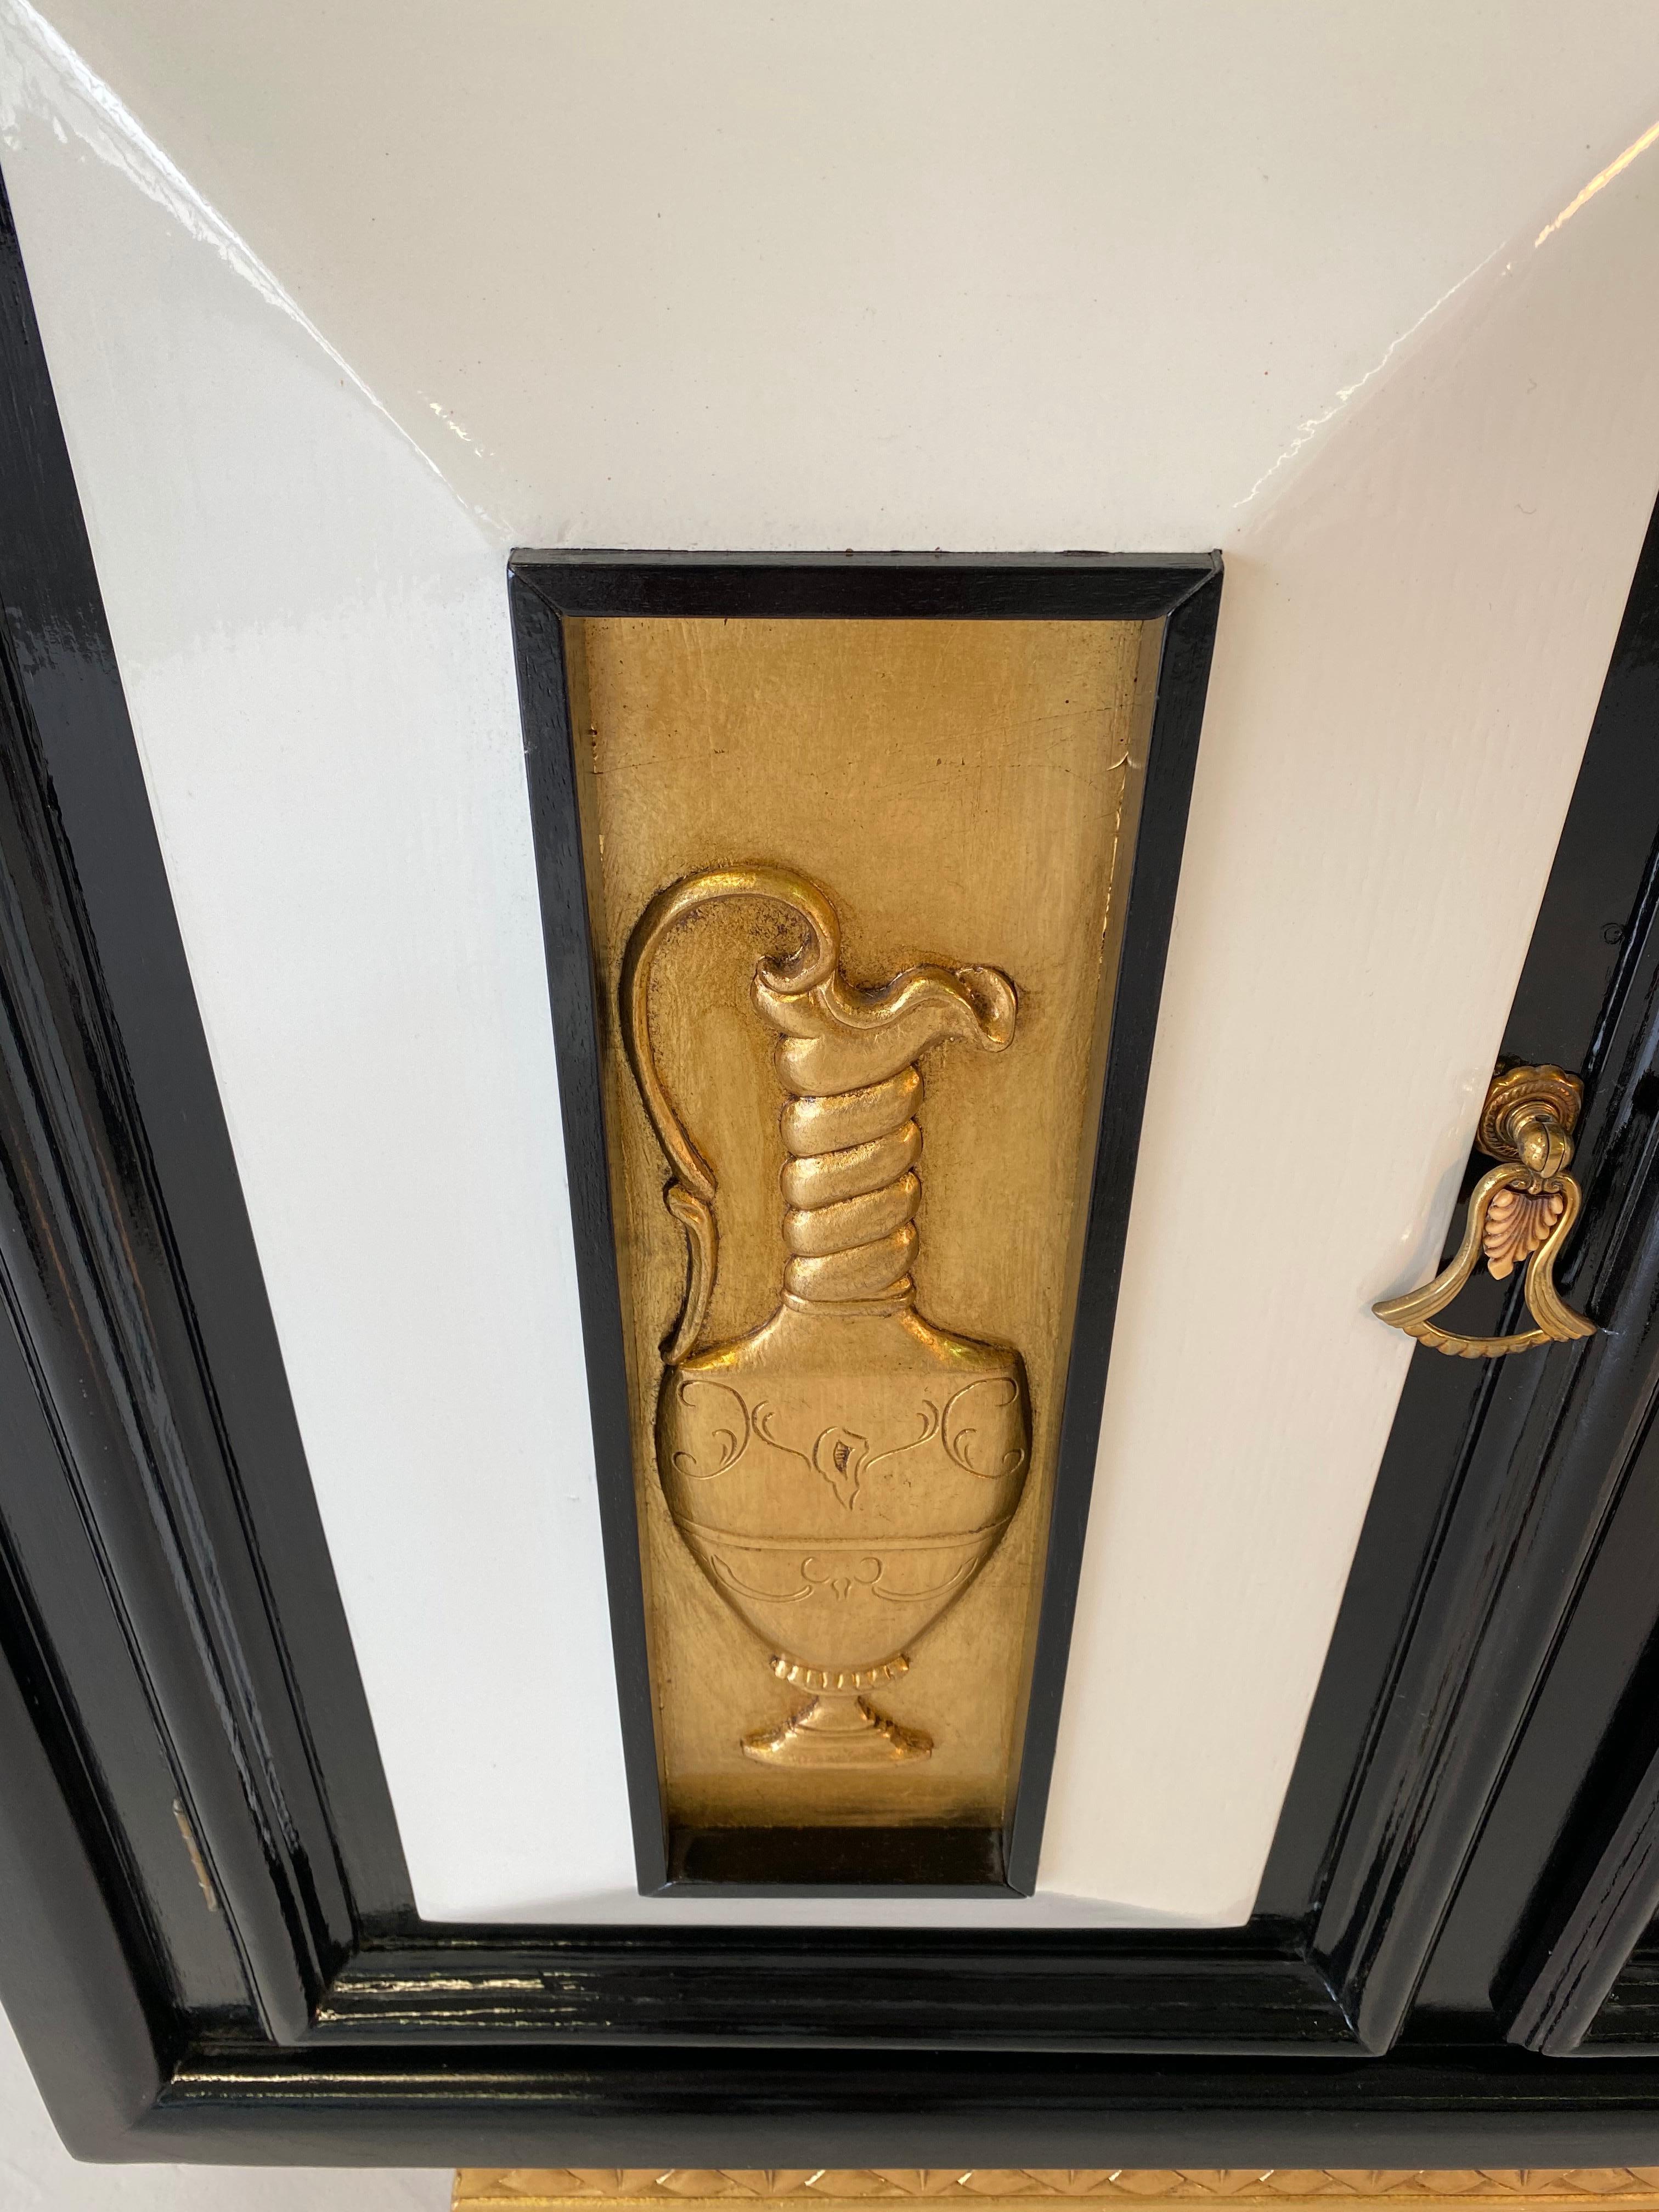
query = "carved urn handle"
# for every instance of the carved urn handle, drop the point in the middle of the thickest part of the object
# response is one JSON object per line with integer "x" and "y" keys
{"x": 691, "y": 1196}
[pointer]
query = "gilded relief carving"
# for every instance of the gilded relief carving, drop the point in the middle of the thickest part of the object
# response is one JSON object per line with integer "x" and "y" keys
{"x": 841, "y": 1472}
{"x": 830, "y": 862}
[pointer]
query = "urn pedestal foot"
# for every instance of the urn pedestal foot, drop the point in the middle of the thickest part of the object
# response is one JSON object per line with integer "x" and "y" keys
{"x": 838, "y": 1729}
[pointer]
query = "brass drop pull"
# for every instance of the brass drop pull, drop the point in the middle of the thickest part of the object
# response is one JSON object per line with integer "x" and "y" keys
{"x": 1521, "y": 1210}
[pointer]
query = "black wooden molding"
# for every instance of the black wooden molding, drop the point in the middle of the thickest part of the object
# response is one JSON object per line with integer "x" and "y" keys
{"x": 745, "y": 2107}
{"x": 1234, "y": 1992}
{"x": 1580, "y": 1959}
{"x": 95, "y": 2035}
{"x": 568, "y": 951}
{"x": 1539, "y": 1471}
{"x": 1627, "y": 2024}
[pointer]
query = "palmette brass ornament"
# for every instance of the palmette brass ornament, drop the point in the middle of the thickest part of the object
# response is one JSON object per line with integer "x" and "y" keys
{"x": 841, "y": 1472}
{"x": 1520, "y": 1212}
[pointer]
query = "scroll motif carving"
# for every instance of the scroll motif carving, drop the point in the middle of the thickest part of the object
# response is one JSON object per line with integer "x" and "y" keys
{"x": 843, "y": 1472}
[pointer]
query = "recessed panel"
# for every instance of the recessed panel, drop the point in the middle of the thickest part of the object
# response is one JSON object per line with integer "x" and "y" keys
{"x": 854, "y": 890}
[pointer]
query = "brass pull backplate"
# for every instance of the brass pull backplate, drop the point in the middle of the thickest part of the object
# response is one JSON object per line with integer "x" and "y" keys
{"x": 1521, "y": 1210}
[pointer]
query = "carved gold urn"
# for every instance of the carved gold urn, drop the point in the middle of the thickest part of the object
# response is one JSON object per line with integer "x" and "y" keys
{"x": 843, "y": 1472}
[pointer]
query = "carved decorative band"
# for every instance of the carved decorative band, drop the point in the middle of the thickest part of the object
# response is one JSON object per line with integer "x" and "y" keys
{"x": 852, "y": 1546}
{"x": 532, "y": 2190}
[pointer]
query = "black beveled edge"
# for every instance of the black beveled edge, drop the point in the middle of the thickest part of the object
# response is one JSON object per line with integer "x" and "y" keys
{"x": 1578, "y": 1960}
{"x": 1184, "y": 591}
{"x": 549, "y": 764}
{"x": 72, "y": 1993}
{"x": 1237, "y": 1990}
{"x": 936, "y": 1861}
{"x": 1172, "y": 757}
{"x": 868, "y": 587}
{"x": 1625, "y": 2027}
{"x": 747, "y": 2108}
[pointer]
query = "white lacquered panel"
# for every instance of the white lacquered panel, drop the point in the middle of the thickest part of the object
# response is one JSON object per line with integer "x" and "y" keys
{"x": 1264, "y": 279}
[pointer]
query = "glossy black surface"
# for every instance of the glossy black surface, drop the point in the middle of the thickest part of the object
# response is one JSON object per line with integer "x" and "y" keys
{"x": 1185, "y": 591}
{"x": 876, "y": 587}
{"x": 1238, "y": 1989}
{"x": 736, "y": 2107}
{"x": 836, "y": 1861}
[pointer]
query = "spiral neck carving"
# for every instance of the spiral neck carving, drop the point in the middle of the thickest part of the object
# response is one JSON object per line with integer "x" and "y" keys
{"x": 850, "y": 1187}
{"x": 846, "y": 1058}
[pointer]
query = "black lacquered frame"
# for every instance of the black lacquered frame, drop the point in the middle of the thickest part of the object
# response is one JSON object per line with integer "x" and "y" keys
{"x": 1463, "y": 1858}
{"x": 1184, "y": 594}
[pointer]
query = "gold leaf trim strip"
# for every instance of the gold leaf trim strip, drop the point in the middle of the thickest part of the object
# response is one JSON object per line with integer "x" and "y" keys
{"x": 517, "y": 2188}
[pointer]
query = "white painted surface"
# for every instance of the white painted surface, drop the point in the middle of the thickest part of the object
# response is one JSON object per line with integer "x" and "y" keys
{"x": 1130, "y": 276}
{"x": 37, "y": 2174}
